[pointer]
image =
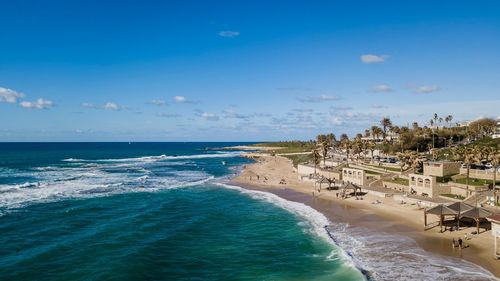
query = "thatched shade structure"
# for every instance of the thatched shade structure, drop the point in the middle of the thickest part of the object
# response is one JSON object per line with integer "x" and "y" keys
{"x": 350, "y": 186}
{"x": 318, "y": 183}
{"x": 460, "y": 208}
{"x": 477, "y": 214}
{"x": 441, "y": 211}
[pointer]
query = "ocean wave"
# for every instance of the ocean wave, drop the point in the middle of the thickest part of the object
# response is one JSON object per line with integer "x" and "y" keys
{"x": 316, "y": 221}
{"x": 390, "y": 256}
{"x": 160, "y": 157}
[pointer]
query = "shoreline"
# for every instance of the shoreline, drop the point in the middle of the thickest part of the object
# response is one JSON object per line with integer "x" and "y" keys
{"x": 388, "y": 217}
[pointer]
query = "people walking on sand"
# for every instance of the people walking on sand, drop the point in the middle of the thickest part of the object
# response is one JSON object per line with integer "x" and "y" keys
{"x": 460, "y": 243}
{"x": 453, "y": 243}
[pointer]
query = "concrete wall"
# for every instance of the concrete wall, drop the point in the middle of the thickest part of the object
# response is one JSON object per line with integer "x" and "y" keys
{"x": 441, "y": 169}
{"x": 395, "y": 186}
{"x": 480, "y": 174}
{"x": 306, "y": 171}
{"x": 355, "y": 176}
{"x": 458, "y": 190}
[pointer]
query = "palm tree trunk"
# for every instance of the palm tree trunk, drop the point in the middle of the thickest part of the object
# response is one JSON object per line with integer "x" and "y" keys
{"x": 467, "y": 179}
{"x": 495, "y": 184}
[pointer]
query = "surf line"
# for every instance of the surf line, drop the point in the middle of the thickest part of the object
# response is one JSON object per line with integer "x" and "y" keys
{"x": 368, "y": 275}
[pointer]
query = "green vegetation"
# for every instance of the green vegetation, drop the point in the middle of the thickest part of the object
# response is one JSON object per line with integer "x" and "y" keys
{"x": 444, "y": 179}
{"x": 371, "y": 172}
{"x": 300, "y": 158}
{"x": 474, "y": 182}
{"x": 395, "y": 169}
{"x": 289, "y": 146}
{"x": 454, "y": 196}
{"x": 399, "y": 180}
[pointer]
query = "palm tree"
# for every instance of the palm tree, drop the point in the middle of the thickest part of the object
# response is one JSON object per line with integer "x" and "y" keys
{"x": 495, "y": 161}
{"x": 367, "y": 133}
{"x": 316, "y": 159}
{"x": 371, "y": 147}
{"x": 331, "y": 139}
{"x": 376, "y": 131}
{"x": 323, "y": 147}
{"x": 403, "y": 159}
{"x": 448, "y": 120}
{"x": 415, "y": 126}
{"x": 386, "y": 123}
{"x": 346, "y": 145}
{"x": 469, "y": 156}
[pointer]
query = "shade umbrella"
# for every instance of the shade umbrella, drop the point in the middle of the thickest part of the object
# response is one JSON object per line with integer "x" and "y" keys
{"x": 441, "y": 211}
{"x": 477, "y": 214}
{"x": 460, "y": 207}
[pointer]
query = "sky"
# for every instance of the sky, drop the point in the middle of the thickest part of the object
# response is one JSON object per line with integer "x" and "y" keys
{"x": 241, "y": 70}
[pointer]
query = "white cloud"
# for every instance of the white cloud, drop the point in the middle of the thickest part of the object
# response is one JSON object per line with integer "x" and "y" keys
{"x": 382, "y": 88}
{"x": 321, "y": 98}
{"x": 231, "y": 113}
{"x": 180, "y": 99}
{"x": 369, "y": 58}
{"x": 427, "y": 89}
{"x": 38, "y": 104}
{"x": 158, "y": 102}
{"x": 88, "y": 105}
{"x": 210, "y": 116}
{"x": 229, "y": 33}
{"x": 111, "y": 106}
{"x": 9, "y": 96}
{"x": 167, "y": 115}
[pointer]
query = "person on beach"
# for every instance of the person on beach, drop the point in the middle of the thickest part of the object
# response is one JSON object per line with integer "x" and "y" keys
{"x": 460, "y": 243}
{"x": 453, "y": 243}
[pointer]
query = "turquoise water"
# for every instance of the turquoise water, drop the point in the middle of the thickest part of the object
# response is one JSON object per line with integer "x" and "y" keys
{"x": 151, "y": 211}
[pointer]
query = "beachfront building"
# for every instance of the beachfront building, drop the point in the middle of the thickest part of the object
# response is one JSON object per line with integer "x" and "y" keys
{"x": 496, "y": 134}
{"x": 495, "y": 231}
{"x": 441, "y": 168}
{"x": 426, "y": 186}
{"x": 356, "y": 176}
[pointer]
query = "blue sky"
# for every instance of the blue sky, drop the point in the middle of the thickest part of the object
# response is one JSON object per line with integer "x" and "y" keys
{"x": 241, "y": 70}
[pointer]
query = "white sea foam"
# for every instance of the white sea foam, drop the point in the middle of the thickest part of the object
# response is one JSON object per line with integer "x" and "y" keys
{"x": 390, "y": 256}
{"x": 90, "y": 178}
{"x": 217, "y": 154}
{"x": 315, "y": 220}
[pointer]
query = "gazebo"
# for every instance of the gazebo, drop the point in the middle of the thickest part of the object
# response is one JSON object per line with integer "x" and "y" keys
{"x": 477, "y": 214}
{"x": 323, "y": 180}
{"x": 350, "y": 186}
{"x": 441, "y": 211}
{"x": 460, "y": 208}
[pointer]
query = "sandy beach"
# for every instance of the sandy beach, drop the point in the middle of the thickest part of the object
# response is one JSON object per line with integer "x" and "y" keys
{"x": 387, "y": 217}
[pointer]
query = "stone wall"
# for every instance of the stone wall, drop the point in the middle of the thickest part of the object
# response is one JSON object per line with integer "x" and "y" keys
{"x": 441, "y": 169}
{"x": 396, "y": 186}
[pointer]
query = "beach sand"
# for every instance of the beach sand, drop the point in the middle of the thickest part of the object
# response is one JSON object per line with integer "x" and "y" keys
{"x": 387, "y": 217}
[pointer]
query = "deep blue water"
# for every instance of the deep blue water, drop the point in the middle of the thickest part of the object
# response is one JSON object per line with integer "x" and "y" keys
{"x": 151, "y": 211}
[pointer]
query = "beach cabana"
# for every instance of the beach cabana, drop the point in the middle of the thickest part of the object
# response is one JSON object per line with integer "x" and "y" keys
{"x": 460, "y": 208}
{"x": 477, "y": 214}
{"x": 323, "y": 180}
{"x": 348, "y": 187}
{"x": 441, "y": 211}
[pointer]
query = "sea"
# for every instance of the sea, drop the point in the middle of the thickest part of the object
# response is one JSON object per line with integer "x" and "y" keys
{"x": 166, "y": 211}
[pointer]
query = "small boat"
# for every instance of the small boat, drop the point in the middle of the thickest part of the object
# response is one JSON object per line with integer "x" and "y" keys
{"x": 224, "y": 163}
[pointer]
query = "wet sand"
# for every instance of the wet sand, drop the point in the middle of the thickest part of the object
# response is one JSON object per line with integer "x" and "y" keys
{"x": 387, "y": 217}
